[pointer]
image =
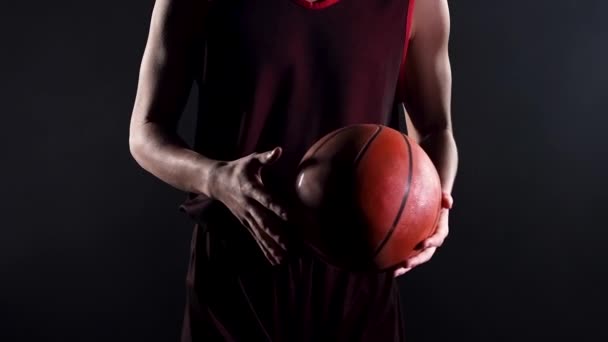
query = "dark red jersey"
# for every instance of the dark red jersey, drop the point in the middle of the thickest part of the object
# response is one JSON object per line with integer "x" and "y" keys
{"x": 285, "y": 73}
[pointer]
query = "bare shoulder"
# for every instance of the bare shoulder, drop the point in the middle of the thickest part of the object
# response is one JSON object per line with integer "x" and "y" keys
{"x": 431, "y": 18}
{"x": 171, "y": 60}
{"x": 181, "y": 8}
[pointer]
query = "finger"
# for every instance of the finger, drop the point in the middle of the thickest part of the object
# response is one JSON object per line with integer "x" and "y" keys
{"x": 436, "y": 240}
{"x": 263, "y": 198}
{"x": 263, "y": 222}
{"x": 273, "y": 241}
{"x": 433, "y": 241}
{"x": 274, "y": 248}
{"x": 401, "y": 271}
{"x": 441, "y": 233}
{"x": 277, "y": 252}
{"x": 262, "y": 243}
{"x": 421, "y": 258}
{"x": 267, "y": 158}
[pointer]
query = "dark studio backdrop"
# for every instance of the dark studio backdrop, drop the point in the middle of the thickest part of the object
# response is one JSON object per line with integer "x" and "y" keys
{"x": 92, "y": 248}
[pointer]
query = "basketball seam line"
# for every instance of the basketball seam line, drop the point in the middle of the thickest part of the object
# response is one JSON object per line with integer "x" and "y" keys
{"x": 403, "y": 202}
{"x": 328, "y": 139}
{"x": 366, "y": 147}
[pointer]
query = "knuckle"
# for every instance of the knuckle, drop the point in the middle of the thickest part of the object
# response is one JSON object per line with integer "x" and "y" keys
{"x": 264, "y": 199}
{"x": 274, "y": 236}
{"x": 245, "y": 187}
{"x": 238, "y": 168}
{"x": 263, "y": 228}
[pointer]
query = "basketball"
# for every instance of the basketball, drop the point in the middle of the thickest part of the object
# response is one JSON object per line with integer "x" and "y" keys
{"x": 368, "y": 196}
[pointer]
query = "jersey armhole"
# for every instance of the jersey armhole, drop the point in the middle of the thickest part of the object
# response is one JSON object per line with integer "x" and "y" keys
{"x": 400, "y": 91}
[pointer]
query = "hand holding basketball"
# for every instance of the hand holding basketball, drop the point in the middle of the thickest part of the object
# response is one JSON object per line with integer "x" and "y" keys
{"x": 238, "y": 185}
{"x": 376, "y": 195}
{"x": 430, "y": 245}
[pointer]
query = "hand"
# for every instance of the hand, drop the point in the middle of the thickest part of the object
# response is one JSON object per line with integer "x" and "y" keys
{"x": 430, "y": 245}
{"x": 238, "y": 185}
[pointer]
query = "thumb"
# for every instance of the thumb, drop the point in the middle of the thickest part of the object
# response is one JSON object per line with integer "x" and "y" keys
{"x": 270, "y": 157}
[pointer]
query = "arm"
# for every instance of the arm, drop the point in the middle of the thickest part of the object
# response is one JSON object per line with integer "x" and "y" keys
{"x": 428, "y": 85}
{"x": 167, "y": 72}
{"x": 168, "y": 69}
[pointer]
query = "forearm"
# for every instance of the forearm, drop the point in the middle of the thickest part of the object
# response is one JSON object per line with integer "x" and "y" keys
{"x": 441, "y": 148}
{"x": 168, "y": 157}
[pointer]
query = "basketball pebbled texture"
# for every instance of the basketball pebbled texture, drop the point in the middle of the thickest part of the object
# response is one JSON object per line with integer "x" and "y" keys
{"x": 370, "y": 195}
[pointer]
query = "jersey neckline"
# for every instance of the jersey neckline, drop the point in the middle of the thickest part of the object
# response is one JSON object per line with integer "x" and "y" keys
{"x": 319, "y": 4}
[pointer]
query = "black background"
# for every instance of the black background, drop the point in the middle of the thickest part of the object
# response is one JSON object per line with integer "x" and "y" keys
{"x": 92, "y": 248}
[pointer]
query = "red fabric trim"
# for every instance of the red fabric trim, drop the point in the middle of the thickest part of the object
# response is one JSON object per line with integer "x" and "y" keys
{"x": 399, "y": 97}
{"x": 319, "y": 4}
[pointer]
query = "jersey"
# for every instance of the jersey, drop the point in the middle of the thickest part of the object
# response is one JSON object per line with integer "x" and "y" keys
{"x": 285, "y": 73}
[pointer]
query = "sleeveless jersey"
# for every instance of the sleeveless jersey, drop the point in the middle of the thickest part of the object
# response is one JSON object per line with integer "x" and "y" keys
{"x": 286, "y": 72}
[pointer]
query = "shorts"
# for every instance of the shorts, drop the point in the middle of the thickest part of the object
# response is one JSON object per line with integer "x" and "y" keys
{"x": 234, "y": 294}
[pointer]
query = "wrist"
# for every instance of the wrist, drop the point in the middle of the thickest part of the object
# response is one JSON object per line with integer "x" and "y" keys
{"x": 211, "y": 184}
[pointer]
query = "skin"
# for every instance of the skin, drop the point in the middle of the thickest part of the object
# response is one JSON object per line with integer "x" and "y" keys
{"x": 172, "y": 62}
{"x": 428, "y": 103}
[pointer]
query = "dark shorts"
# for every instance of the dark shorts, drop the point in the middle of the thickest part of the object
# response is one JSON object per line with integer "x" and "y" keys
{"x": 233, "y": 294}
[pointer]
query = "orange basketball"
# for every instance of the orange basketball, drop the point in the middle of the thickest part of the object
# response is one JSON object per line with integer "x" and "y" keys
{"x": 369, "y": 195}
